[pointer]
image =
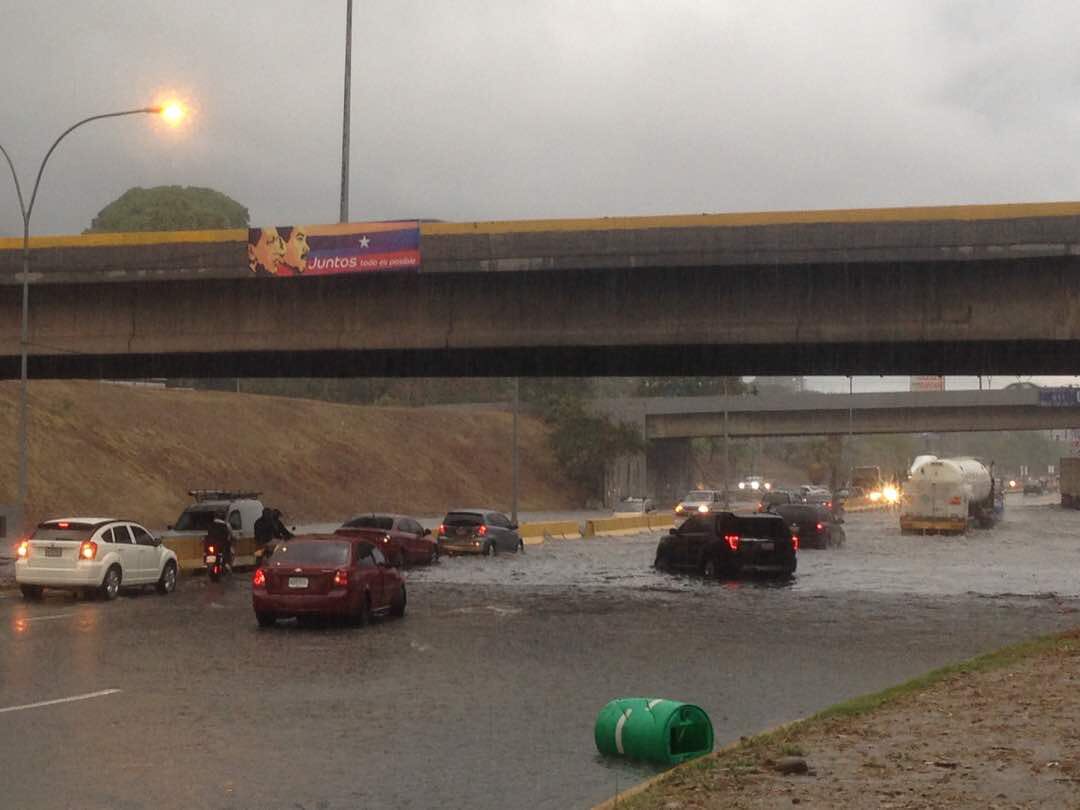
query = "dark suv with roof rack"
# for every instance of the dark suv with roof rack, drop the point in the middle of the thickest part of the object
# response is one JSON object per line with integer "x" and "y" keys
{"x": 727, "y": 544}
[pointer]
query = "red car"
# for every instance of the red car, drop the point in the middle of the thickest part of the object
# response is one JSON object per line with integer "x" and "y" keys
{"x": 404, "y": 541}
{"x": 327, "y": 576}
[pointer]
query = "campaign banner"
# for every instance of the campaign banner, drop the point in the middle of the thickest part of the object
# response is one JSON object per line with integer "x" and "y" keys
{"x": 319, "y": 250}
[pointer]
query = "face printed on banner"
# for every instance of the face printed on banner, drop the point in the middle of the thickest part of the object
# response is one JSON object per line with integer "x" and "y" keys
{"x": 294, "y": 260}
{"x": 266, "y": 249}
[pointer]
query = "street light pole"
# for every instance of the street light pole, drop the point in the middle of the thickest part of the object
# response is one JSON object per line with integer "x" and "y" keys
{"x": 26, "y": 210}
{"x": 344, "y": 215}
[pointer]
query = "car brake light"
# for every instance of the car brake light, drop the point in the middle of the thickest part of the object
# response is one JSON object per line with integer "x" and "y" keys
{"x": 732, "y": 540}
{"x": 341, "y": 578}
{"x": 88, "y": 549}
{"x": 442, "y": 528}
{"x": 795, "y": 542}
{"x": 63, "y": 524}
{"x": 24, "y": 550}
{"x": 954, "y": 500}
{"x": 209, "y": 549}
{"x": 481, "y": 530}
{"x": 828, "y": 504}
{"x": 259, "y": 580}
{"x": 820, "y": 528}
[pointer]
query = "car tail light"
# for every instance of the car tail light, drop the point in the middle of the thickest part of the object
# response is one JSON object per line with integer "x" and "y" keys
{"x": 259, "y": 580}
{"x": 88, "y": 550}
{"x": 24, "y": 550}
{"x": 209, "y": 549}
{"x": 63, "y": 524}
{"x": 481, "y": 530}
{"x": 442, "y": 528}
{"x": 820, "y": 528}
{"x": 828, "y": 504}
{"x": 732, "y": 540}
{"x": 955, "y": 500}
{"x": 341, "y": 578}
{"x": 795, "y": 542}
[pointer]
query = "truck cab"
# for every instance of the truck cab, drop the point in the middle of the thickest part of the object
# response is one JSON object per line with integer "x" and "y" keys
{"x": 239, "y": 509}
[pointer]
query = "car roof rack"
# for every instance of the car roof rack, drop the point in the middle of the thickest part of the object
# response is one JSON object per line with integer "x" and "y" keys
{"x": 201, "y": 495}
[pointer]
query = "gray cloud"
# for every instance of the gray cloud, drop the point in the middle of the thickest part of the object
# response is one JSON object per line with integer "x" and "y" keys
{"x": 479, "y": 109}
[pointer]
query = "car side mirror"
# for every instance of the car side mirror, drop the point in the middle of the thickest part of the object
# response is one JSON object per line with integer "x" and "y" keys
{"x": 427, "y": 532}
{"x": 514, "y": 526}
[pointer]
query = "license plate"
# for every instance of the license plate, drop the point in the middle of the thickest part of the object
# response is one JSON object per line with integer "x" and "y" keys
{"x": 54, "y": 552}
{"x": 767, "y": 546}
{"x": 210, "y": 559}
{"x": 298, "y": 582}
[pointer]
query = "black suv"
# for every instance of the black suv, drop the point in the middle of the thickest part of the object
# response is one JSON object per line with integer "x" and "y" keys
{"x": 726, "y": 545}
{"x": 812, "y": 523}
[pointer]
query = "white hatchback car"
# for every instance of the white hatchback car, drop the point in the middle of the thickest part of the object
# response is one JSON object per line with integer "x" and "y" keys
{"x": 93, "y": 554}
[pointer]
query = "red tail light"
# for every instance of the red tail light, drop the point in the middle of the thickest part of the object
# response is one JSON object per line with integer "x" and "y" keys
{"x": 259, "y": 580}
{"x": 795, "y": 542}
{"x": 24, "y": 550}
{"x": 341, "y": 578}
{"x": 481, "y": 530}
{"x": 442, "y": 528}
{"x": 63, "y": 524}
{"x": 88, "y": 550}
{"x": 955, "y": 500}
{"x": 820, "y": 528}
{"x": 828, "y": 504}
{"x": 732, "y": 540}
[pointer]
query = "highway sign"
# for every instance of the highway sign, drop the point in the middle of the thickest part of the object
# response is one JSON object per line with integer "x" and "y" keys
{"x": 1060, "y": 397}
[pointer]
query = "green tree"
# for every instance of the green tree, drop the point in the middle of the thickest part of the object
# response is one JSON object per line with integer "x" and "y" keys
{"x": 169, "y": 208}
{"x": 584, "y": 443}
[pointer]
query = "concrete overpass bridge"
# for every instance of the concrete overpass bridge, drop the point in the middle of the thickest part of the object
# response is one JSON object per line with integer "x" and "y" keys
{"x": 669, "y": 424}
{"x": 970, "y": 289}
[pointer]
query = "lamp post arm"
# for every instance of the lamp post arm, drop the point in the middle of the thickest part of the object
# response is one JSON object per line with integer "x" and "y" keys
{"x": 41, "y": 169}
{"x": 18, "y": 187}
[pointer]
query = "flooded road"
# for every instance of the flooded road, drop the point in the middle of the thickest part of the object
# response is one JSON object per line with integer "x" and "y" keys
{"x": 484, "y": 696}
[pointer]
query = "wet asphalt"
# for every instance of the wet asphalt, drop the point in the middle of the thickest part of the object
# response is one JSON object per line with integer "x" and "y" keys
{"x": 484, "y": 695}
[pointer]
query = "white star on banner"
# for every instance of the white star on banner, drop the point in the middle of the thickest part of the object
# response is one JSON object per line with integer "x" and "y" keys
{"x": 364, "y": 241}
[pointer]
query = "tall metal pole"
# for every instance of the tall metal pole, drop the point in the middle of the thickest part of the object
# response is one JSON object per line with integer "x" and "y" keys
{"x": 344, "y": 214}
{"x": 26, "y": 209}
{"x": 514, "y": 455}
{"x": 850, "y": 426}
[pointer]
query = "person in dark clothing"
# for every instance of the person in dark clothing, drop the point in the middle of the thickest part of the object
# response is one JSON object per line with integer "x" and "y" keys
{"x": 268, "y": 528}
{"x": 220, "y": 535}
{"x": 280, "y": 531}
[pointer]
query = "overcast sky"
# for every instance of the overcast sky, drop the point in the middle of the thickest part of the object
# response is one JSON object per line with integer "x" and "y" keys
{"x": 477, "y": 109}
{"x": 501, "y": 109}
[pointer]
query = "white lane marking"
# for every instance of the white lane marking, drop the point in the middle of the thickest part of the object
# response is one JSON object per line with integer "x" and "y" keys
{"x": 618, "y": 729}
{"x": 46, "y": 618}
{"x": 71, "y": 699}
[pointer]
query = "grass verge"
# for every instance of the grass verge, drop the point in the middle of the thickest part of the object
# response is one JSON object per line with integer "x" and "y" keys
{"x": 750, "y": 751}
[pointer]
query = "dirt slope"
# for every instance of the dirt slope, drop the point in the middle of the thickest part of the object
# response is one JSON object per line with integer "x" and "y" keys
{"x": 97, "y": 448}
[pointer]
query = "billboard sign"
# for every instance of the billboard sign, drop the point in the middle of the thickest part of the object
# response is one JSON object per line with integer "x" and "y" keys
{"x": 927, "y": 383}
{"x": 1059, "y": 397}
{"x": 319, "y": 250}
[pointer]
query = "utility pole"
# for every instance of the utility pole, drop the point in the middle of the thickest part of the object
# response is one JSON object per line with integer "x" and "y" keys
{"x": 344, "y": 214}
{"x": 514, "y": 455}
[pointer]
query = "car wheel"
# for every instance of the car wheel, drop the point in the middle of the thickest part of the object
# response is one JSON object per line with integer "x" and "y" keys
{"x": 265, "y": 619}
{"x": 110, "y": 585}
{"x": 167, "y": 583}
{"x": 434, "y": 558}
{"x": 489, "y": 549}
{"x": 710, "y": 569}
{"x": 397, "y": 608}
{"x": 521, "y": 544}
{"x": 31, "y": 592}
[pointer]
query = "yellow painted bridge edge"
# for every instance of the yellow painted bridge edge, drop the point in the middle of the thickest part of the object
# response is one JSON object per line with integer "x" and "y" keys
{"x": 939, "y": 213}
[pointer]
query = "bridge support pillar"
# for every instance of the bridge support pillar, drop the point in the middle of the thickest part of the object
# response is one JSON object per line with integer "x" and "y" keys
{"x": 669, "y": 463}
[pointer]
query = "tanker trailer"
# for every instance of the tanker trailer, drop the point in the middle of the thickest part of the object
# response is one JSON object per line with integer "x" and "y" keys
{"x": 945, "y": 495}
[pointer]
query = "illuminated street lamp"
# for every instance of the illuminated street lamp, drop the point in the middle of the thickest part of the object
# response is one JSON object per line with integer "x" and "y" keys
{"x": 172, "y": 112}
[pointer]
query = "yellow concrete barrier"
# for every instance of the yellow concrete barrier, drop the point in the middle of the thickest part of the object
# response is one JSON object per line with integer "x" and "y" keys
{"x": 535, "y": 533}
{"x": 603, "y": 527}
{"x": 660, "y": 522}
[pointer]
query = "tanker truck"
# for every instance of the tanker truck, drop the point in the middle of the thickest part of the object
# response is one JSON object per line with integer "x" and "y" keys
{"x": 946, "y": 495}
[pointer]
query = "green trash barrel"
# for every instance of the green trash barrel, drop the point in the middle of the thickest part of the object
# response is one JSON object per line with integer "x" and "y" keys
{"x": 654, "y": 730}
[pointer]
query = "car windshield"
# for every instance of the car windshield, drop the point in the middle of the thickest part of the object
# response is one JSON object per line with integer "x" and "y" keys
{"x": 312, "y": 552}
{"x": 463, "y": 519}
{"x": 193, "y": 519}
{"x": 371, "y": 522}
